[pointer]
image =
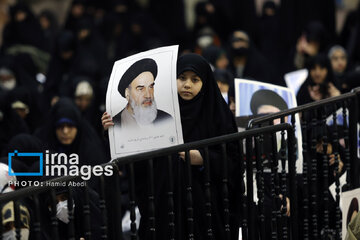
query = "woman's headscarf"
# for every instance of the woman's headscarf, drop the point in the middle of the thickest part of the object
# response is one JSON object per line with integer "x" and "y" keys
{"x": 27, "y": 31}
{"x": 86, "y": 144}
{"x": 207, "y": 114}
{"x": 324, "y": 62}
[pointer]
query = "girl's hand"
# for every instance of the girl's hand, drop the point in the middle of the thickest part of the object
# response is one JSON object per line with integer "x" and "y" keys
{"x": 314, "y": 92}
{"x": 333, "y": 91}
{"x": 106, "y": 121}
{"x": 287, "y": 205}
{"x": 195, "y": 157}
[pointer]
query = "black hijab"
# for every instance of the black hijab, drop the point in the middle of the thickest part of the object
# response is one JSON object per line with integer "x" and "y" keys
{"x": 26, "y": 32}
{"x": 11, "y": 123}
{"x": 86, "y": 144}
{"x": 206, "y": 115}
{"x": 323, "y": 61}
{"x": 24, "y": 142}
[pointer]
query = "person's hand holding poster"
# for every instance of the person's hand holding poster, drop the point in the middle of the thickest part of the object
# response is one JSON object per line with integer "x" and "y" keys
{"x": 142, "y": 101}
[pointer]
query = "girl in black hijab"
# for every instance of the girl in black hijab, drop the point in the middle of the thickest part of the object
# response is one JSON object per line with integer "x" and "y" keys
{"x": 67, "y": 132}
{"x": 204, "y": 114}
{"x": 320, "y": 83}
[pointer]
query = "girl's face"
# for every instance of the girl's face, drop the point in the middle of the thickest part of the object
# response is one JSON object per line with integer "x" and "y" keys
{"x": 338, "y": 61}
{"x": 189, "y": 85}
{"x": 318, "y": 74}
{"x": 66, "y": 134}
{"x": 222, "y": 62}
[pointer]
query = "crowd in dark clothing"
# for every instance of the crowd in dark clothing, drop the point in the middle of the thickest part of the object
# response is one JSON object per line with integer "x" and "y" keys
{"x": 48, "y": 61}
{"x": 54, "y": 78}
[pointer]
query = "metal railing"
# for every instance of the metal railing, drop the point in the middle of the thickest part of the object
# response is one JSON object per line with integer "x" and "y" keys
{"x": 100, "y": 217}
{"x": 318, "y": 140}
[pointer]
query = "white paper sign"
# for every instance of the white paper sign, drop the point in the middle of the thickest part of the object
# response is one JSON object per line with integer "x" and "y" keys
{"x": 295, "y": 79}
{"x": 144, "y": 107}
{"x": 267, "y": 98}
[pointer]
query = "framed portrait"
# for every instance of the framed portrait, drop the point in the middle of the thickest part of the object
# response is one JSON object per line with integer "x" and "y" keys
{"x": 349, "y": 205}
{"x": 253, "y": 99}
{"x": 143, "y": 103}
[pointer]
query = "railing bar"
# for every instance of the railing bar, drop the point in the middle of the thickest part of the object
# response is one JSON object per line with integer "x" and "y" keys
{"x": 260, "y": 183}
{"x": 249, "y": 188}
{"x": 293, "y": 184}
{"x": 36, "y": 218}
{"x": 208, "y": 194}
{"x": 276, "y": 199}
{"x": 151, "y": 199}
{"x": 171, "y": 213}
{"x": 152, "y": 154}
{"x": 353, "y": 141}
{"x": 244, "y": 219}
{"x": 273, "y": 164}
{"x": 17, "y": 220}
{"x": 189, "y": 198}
{"x": 306, "y": 202}
{"x": 302, "y": 108}
{"x": 132, "y": 205}
{"x": 86, "y": 212}
{"x": 1, "y": 220}
{"x": 117, "y": 200}
{"x": 102, "y": 202}
{"x": 313, "y": 177}
{"x": 283, "y": 181}
{"x": 201, "y": 143}
{"x": 71, "y": 227}
{"x": 225, "y": 191}
{"x": 347, "y": 146}
{"x": 53, "y": 218}
{"x": 335, "y": 143}
{"x": 325, "y": 170}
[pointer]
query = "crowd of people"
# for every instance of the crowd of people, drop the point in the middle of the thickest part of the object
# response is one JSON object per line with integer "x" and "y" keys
{"x": 53, "y": 78}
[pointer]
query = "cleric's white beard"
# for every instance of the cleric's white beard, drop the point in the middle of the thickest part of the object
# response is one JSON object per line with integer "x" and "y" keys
{"x": 144, "y": 115}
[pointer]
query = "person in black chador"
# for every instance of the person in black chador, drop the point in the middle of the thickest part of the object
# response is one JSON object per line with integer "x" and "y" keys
{"x": 11, "y": 124}
{"x": 137, "y": 86}
{"x": 204, "y": 114}
{"x": 62, "y": 65}
{"x": 320, "y": 83}
{"x": 67, "y": 132}
{"x": 23, "y": 29}
{"x": 247, "y": 62}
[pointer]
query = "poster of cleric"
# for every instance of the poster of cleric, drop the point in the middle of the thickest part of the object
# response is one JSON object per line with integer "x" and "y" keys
{"x": 253, "y": 99}
{"x": 142, "y": 100}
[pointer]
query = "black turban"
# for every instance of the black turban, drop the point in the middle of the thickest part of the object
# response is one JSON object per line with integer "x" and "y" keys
{"x": 143, "y": 65}
{"x": 266, "y": 97}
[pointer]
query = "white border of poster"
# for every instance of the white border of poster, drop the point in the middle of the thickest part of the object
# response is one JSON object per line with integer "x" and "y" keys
{"x": 244, "y": 89}
{"x": 294, "y": 80}
{"x": 165, "y": 94}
